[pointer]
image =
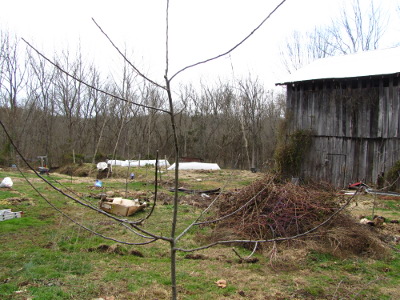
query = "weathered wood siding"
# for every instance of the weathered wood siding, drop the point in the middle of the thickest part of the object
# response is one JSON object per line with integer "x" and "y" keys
{"x": 355, "y": 125}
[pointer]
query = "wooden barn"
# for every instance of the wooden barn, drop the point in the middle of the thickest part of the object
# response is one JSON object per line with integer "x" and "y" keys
{"x": 351, "y": 105}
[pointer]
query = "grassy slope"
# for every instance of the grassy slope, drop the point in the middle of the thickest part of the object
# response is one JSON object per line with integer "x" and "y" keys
{"x": 45, "y": 256}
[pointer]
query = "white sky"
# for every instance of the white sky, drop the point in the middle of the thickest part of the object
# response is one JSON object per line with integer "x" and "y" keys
{"x": 198, "y": 30}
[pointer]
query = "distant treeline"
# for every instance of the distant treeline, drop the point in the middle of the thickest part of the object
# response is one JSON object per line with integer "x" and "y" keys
{"x": 47, "y": 112}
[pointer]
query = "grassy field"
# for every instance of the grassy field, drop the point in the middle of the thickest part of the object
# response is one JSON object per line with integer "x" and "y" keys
{"x": 44, "y": 255}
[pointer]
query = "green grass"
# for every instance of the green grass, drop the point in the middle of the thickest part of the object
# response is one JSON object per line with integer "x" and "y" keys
{"x": 46, "y": 256}
{"x": 18, "y": 224}
{"x": 7, "y": 194}
{"x": 393, "y": 205}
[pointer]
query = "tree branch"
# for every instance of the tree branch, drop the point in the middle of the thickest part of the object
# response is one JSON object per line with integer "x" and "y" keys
{"x": 89, "y": 85}
{"x": 126, "y": 59}
{"x": 166, "y": 40}
{"x": 155, "y": 194}
{"x": 234, "y": 47}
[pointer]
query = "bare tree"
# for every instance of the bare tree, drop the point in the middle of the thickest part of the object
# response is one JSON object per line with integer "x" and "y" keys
{"x": 360, "y": 30}
{"x": 3, "y": 53}
{"x": 302, "y": 48}
{"x": 40, "y": 91}
{"x": 356, "y": 29}
{"x": 69, "y": 97}
{"x": 97, "y": 113}
{"x": 253, "y": 100}
{"x": 12, "y": 71}
{"x": 12, "y": 81}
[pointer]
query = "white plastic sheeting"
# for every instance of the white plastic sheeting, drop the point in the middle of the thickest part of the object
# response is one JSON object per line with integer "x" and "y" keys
{"x": 138, "y": 163}
{"x": 102, "y": 166}
{"x": 367, "y": 63}
{"x": 115, "y": 162}
{"x": 6, "y": 183}
{"x": 195, "y": 166}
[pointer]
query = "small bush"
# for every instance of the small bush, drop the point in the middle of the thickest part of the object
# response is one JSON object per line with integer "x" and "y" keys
{"x": 100, "y": 157}
{"x": 69, "y": 158}
{"x": 393, "y": 174}
{"x": 5, "y": 154}
{"x": 289, "y": 153}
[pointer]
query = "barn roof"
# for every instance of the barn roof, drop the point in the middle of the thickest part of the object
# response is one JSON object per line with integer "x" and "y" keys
{"x": 367, "y": 63}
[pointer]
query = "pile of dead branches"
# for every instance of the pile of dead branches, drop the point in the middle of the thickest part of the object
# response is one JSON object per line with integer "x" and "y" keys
{"x": 269, "y": 209}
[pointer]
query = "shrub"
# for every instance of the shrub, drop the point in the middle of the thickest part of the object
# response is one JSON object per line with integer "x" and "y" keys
{"x": 393, "y": 174}
{"x": 69, "y": 158}
{"x": 290, "y": 151}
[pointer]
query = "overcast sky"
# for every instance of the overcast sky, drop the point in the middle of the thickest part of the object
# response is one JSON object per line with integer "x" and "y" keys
{"x": 198, "y": 30}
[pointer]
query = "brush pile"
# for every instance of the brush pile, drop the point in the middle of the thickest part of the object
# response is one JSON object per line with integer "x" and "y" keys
{"x": 270, "y": 209}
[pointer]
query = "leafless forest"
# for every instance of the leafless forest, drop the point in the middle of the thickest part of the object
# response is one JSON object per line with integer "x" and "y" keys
{"x": 50, "y": 113}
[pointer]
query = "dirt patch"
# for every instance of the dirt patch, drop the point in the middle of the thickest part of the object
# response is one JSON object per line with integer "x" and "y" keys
{"x": 17, "y": 201}
{"x": 113, "y": 249}
{"x": 195, "y": 256}
{"x": 136, "y": 253}
{"x": 164, "y": 198}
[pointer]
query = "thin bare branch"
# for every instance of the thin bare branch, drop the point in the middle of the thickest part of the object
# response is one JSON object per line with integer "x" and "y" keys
{"x": 234, "y": 47}
{"x": 367, "y": 286}
{"x": 237, "y": 254}
{"x": 125, "y": 58}
{"x": 89, "y": 85}
{"x": 155, "y": 194}
{"x": 135, "y": 232}
{"x": 166, "y": 40}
